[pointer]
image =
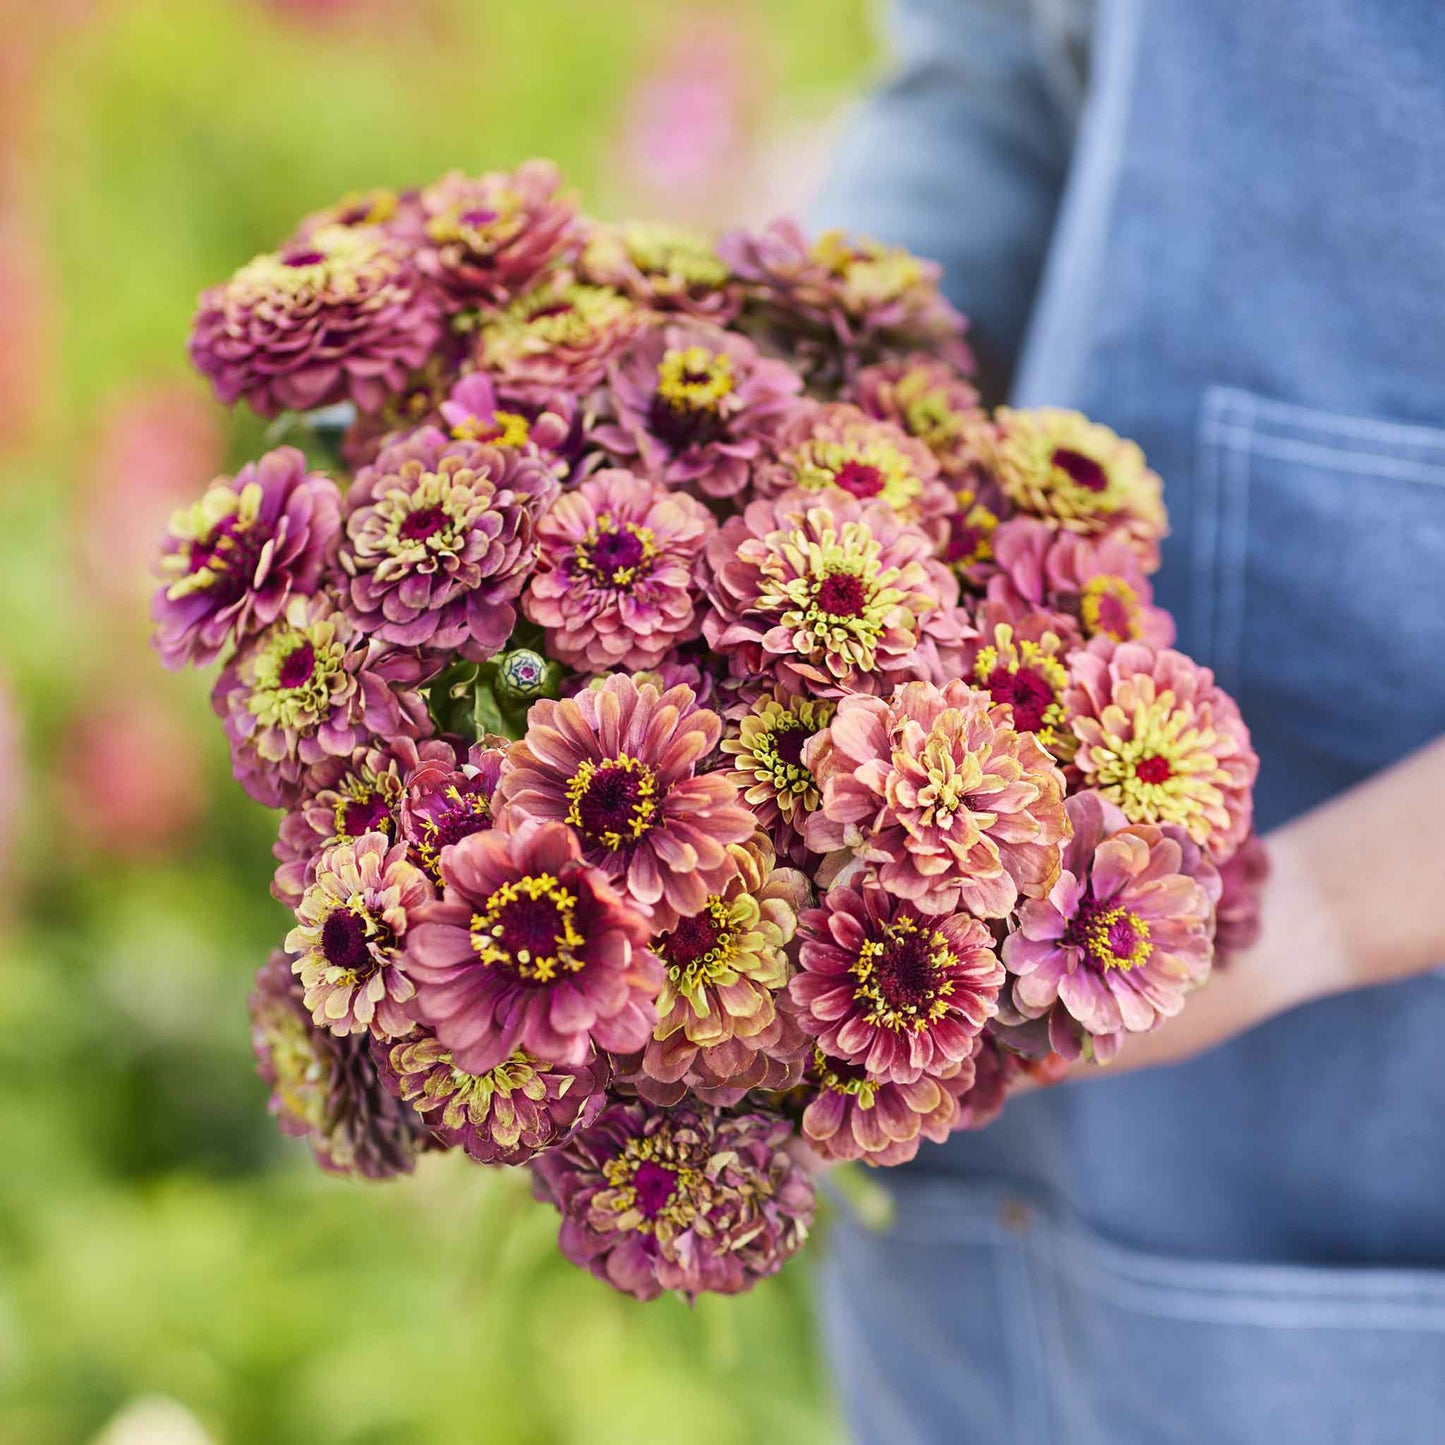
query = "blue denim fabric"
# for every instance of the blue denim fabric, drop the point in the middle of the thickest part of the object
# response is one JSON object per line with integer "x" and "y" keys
{"x": 1243, "y": 269}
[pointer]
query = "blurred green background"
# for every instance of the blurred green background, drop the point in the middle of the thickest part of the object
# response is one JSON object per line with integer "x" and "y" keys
{"x": 171, "y": 1270}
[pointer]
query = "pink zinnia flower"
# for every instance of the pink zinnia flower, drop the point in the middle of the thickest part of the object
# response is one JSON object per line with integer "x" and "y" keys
{"x": 687, "y": 1199}
{"x": 663, "y": 268}
{"x": 618, "y": 764}
{"x": 929, "y": 400}
{"x": 530, "y": 948}
{"x": 1119, "y": 939}
{"x": 476, "y": 412}
{"x": 616, "y": 583}
{"x": 936, "y": 796}
{"x": 897, "y": 994}
{"x": 830, "y": 599}
{"x": 696, "y": 406}
{"x": 341, "y": 315}
{"x": 351, "y": 927}
{"x": 445, "y": 801}
{"x": 1020, "y": 658}
{"x": 230, "y": 563}
{"x": 439, "y": 541}
{"x": 1158, "y": 738}
{"x": 484, "y": 240}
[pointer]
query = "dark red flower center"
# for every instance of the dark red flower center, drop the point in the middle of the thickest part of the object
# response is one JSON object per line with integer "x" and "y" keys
{"x": 679, "y": 427}
{"x": 303, "y": 257}
{"x": 841, "y": 594}
{"x": 654, "y": 1184}
{"x": 231, "y": 553}
{"x": 1110, "y": 936}
{"x": 297, "y": 666}
{"x": 1153, "y": 769}
{"x": 1026, "y": 692}
{"x": 366, "y": 815}
{"x": 1082, "y": 470}
{"x": 788, "y": 745}
{"x": 423, "y": 523}
{"x": 559, "y": 307}
{"x": 963, "y": 540}
{"x": 615, "y": 552}
{"x": 345, "y": 943}
{"x": 615, "y": 803}
{"x": 859, "y": 479}
{"x": 460, "y": 814}
{"x": 1114, "y": 617}
{"x": 530, "y": 927}
{"x": 1123, "y": 937}
{"x": 479, "y": 216}
{"x": 904, "y": 971}
{"x": 693, "y": 939}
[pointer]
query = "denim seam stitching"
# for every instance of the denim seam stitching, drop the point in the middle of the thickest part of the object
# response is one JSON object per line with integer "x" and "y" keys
{"x": 1398, "y": 437}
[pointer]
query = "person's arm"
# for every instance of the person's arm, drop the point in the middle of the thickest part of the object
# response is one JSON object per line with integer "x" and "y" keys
{"x": 1355, "y": 898}
{"x": 961, "y": 157}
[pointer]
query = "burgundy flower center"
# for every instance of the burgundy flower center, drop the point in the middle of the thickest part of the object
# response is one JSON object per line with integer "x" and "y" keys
{"x": 692, "y": 941}
{"x": 1028, "y": 694}
{"x": 559, "y": 307}
{"x": 1153, "y": 769}
{"x": 859, "y": 479}
{"x": 1123, "y": 937}
{"x": 615, "y": 555}
{"x": 654, "y": 1184}
{"x": 904, "y": 971}
{"x": 479, "y": 216}
{"x": 366, "y": 815}
{"x": 346, "y": 944}
{"x": 788, "y": 745}
{"x": 1082, "y": 470}
{"x": 613, "y": 803}
{"x": 901, "y": 973}
{"x": 530, "y": 927}
{"x": 841, "y": 594}
{"x": 423, "y": 523}
{"x": 617, "y": 552}
{"x": 297, "y": 666}
{"x": 963, "y": 541}
{"x": 303, "y": 257}
{"x": 230, "y": 554}
{"x": 1114, "y": 617}
{"x": 679, "y": 427}
{"x": 1108, "y": 933}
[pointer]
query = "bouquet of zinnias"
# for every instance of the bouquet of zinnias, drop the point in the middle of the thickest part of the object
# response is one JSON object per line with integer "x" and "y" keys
{"x": 698, "y": 723}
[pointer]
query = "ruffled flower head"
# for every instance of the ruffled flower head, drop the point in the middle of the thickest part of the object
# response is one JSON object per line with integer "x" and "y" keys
{"x": 618, "y": 765}
{"x": 488, "y": 238}
{"x": 1023, "y": 661}
{"x": 439, "y": 540}
{"x": 475, "y": 412}
{"x": 446, "y": 801}
{"x": 230, "y": 563}
{"x": 665, "y": 268}
{"x": 687, "y": 1199}
{"x": 1077, "y": 475}
{"x": 340, "y": 315}
{"x": 697, "y": 406}
{"x": 929, "y": 400}
{"x": 351, "y": 927}
{"x": 1160, "y": 740}
{"x": 615, "y": 582}
{"x": 324, "y": 1088}
{"x": 1118, "y": 940}
{"x": 831, "y": 599}
{"x": 530, "y": 948}
{"x": 935, "y": 795}
{"x": 504, "y": 1116}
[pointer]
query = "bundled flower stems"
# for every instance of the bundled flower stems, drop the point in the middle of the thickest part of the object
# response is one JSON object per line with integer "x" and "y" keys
{"x": 697, "y": 723}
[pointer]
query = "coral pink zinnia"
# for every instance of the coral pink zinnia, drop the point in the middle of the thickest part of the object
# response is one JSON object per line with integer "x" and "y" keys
{"x": 616, "y": 581}
{"x": 618, "y": 764}
{"x": 935, "y": 795}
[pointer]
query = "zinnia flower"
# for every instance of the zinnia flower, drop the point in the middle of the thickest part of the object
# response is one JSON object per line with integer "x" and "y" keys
{"x": 618, "y": 764}
{"x": 530, "y": 948}
{"x": 439, "y": 540}
{"x": 229, "y": 564}
{"x": 351, "y": 927}
{"x": 1119, "y": 939}
{"x": 968, "y": 533}
{"x": 830, "y": 599}
{"x": 1076, "y": 475}
{"x": 665, "y": 268}
{"x": 475, "y": 412}
{"x": 833, "y": 448}
{"x": 1023, "y": 662}
{"x": 995, "y": 1070}
{"x": 719, "y": 1030}
{"x": 899, "y": 995}
{"x": 488, "y": 238}
{"x": 445, "y": 802}
{"x": 687, "y": 1199}
{"x": 930, "y": 401}
{"x": 557, "y": 337}
{"x": 324, "y": 1088}
{"x": 938, "y": 798}
{"x": 309, "y": 687}
{"x": 615, "y": 585}
{"x": 504, "y": 1116}
{"x": 1158, "y": 738}
{"x": 696, "y": 406}
{"x": 339, "y": 315}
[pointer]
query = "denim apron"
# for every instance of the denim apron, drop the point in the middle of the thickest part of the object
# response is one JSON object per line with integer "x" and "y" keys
{"x": 1247, "y": 275}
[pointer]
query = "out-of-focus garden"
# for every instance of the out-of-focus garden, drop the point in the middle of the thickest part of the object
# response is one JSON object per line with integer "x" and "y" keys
{"x": 171, "y": 1270}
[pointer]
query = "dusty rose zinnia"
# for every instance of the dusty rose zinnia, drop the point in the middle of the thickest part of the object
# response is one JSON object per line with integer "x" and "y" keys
{"x": 935, "y": 796}
{"x": 230, "y": 563}
{"x": 1119, "y": 939}
{"x": 306, "y": 688}
{"x": 445, "y": 801}
{"x": 439, "y": 540}
{"x": 1020, "y": 657}
{"x": 1158, "y": 738}
{"x": 930, "y": 401}
{"x": 475, "y": 412}
{"x": 618, "y": 764}
{"x": 696, "y": 406}
{"x": 324, "y": 1088}
{"x": 615, "y": 585}
{"x": 830, "y": 599}
{"x": 340, "y": 315}
{"x": 504, "y": 1116}
{"x": 899, "y": 994}
{"x": 351, "y": 927}
{"x": 684, "y": 1199}
{"x": 665, "y": 268}
{"x": 530, "y": 948}
{"x": 485, "y": 239}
